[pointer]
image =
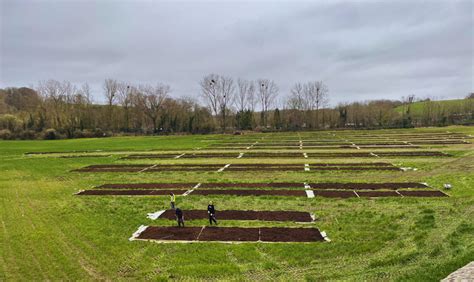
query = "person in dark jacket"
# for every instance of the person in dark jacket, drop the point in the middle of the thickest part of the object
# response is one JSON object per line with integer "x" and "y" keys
{"x": 179, "y": 217}
{"x": 212, "y": 213}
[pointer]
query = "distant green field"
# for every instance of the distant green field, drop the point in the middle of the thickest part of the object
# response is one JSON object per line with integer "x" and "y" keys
{"x": 47, "y": 233}
{"x": 417, "y": 108}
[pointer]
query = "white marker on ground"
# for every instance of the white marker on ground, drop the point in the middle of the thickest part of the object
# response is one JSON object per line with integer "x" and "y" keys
{"x": 306, "y": 167}
{"x": 138, "y": 232}
{"x": 147, "y": 168}
{"x": 309, "y": 193}
{"x": 191, "y": 190}
{"x": 306, "y": 186}
{"x": 222, "y": 168}
{"x": 155, "y": 215}
{"x": 240, "y": 155}
{"x": 179, "y": 156}
{"x": 375, "y": 155}
{"x": 325, "y": 236}
{"x": 199, "y": 235}
{"x": 305, "y": 155}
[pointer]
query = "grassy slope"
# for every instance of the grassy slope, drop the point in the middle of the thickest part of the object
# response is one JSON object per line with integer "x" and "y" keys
{"x": 417, "y": 107}
{"x": 47, "y": 233}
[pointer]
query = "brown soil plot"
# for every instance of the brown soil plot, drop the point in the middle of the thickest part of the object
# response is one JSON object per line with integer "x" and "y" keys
{"x": 412, "y": 154}
{"x": 440, "y": 142}
{"x": 294, "y": 193}
{"x": 243, "y": 215}
{"x": 124, "y": 192}
{"x": 237, "y": 167}
{"x": 147, "y": 186}
{"x": 84, "y": 156}
{"x": 425, "y": 193}
{"x": 367, "y": 186}
{"x": 151, "y": 156}
{"x": 339, "y": 155}
{"x": 335, "y": 194}
{"x": 277, "y": 234}
{"x": 253, "y": 185}
{"x": 377, "y": 194}
{"x": 170, "y": 233}
{"x": 231, "y": 234}
{"x": 273, "y": 155}
{"x": 386, "y": 146}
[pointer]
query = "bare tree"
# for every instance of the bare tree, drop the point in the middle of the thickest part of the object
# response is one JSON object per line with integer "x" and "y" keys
{"x": 242, "y": 99}
{"x": 124, "y": 97}
{"x": 56, "y": 95}
{"x": 316, "y": 96}
{"x": 226, "y": 90}
{"x": 151, "y": 100}
{"x": 251, "y": 99}
{"x": 86, "y": 92}
{"x": 218, "y": 91}
{"x": 110, "y": 91}
{"x": 267, "y": 92}
{"x": 296, "y": 100}
{"x": 210, "y": 92}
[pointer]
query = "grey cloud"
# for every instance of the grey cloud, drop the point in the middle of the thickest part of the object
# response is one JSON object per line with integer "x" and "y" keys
{"x": 363, "y": 50}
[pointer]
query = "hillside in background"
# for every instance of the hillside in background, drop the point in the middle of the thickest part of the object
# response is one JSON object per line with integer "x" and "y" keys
{"x": 417, "y": 108}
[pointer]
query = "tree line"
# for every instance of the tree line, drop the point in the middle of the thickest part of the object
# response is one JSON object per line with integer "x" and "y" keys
{"x": 60, "y": 109}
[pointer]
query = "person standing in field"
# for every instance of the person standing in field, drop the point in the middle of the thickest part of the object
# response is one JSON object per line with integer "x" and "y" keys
{"x": 212, "y": 213}
{"x": 179, "y": 217}
{"x": 172, "y": 200}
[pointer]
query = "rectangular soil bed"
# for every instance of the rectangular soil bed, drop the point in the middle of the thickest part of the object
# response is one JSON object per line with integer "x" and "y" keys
{"x": 412, "y": 154}
{"x": 84, "y": 156}
{"x": 183, "y": 156}
{"x": 238, "y": 167}
{"x": 440, "y": 142}
{"x": 376, "y": 194}
{"x": 429, "y": 193}
{"x": 277, "y": 234}
{"x": 253, "y": 185}
{"x": 295, "y": 216}
{"x": 230, "y": 234}
{"x": 126, "y": 192}
{"x": 335, "y": 194}
{"x": 367, "y": 186}
{"x": 147, "y": 186}
{"x": 340, "y": 155}
{"x": 294, "y": 193}
{"x": 170, "y": 233}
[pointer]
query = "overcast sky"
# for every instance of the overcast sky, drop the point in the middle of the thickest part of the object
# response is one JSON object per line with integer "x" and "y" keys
{"x": 361, "y": 50}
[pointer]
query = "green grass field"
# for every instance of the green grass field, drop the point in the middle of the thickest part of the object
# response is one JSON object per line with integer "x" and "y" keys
{"x": 47, "y": 233}
{"x": 417, "y": 108}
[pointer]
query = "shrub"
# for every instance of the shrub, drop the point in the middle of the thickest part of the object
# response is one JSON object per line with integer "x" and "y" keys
{"x": 5, "y": 134}
{"x": 10, "y": 122}
{"x": 100, "y": 133}
{"x": 50, "y": 134}
{"x": 27, "y": 135}
{"x": 78, "y": 134}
